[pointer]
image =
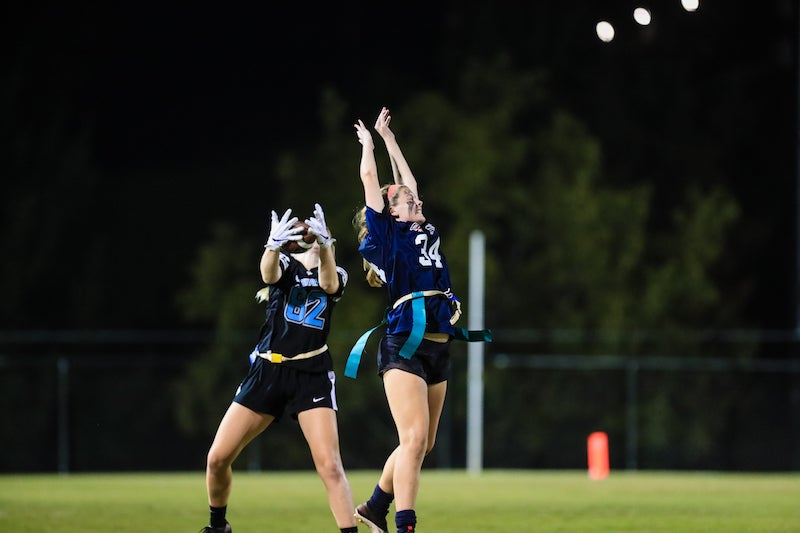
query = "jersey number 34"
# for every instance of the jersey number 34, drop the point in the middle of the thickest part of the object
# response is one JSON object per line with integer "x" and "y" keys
{"x": 428, "y": 252}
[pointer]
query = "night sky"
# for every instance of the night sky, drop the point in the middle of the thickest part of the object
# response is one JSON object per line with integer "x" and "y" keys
{"x": 167, "y": 91}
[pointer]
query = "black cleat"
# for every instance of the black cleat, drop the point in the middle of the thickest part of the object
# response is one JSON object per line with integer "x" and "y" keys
{"x": 209, "y": 529}
{"x": 375, "y": 522}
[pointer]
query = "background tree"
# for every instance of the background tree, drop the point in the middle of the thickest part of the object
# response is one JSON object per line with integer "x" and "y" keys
{"x": 565, "y": 248}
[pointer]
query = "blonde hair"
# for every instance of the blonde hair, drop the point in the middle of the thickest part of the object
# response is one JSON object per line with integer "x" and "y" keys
{"x": 360, "y": 224}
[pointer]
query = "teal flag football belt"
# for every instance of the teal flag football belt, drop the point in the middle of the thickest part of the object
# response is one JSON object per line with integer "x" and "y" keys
{"x": 417, "y": 330}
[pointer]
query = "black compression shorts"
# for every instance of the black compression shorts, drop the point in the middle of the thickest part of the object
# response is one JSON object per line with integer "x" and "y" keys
{"x": 431, "y": 361}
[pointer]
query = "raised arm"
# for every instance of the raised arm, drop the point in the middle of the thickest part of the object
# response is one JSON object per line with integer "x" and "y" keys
{"x": 400, "y": 169}
{"x": 369, "y": 169}
{"x": 280, "y": 232}
{"x": 328, "y": 276}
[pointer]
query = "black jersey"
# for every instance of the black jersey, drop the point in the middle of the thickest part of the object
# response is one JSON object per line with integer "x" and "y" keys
{"x": 298, "y": 317}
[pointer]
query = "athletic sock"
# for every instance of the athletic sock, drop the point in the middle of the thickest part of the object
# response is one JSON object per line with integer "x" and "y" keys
{"x": 405, "y": 520}
{"x": 380, "y": 501}
{"x": 353, "y": 529}
{"x": 217, "y": 516}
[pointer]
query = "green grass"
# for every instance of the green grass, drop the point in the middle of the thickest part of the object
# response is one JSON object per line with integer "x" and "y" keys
{"x": 449, "y": 501}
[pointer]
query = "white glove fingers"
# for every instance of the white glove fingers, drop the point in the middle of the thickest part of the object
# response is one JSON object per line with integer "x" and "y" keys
{"x": 318, "y": 227}
{"x": 286, "y": 215}
{"x": 282, "y": 230}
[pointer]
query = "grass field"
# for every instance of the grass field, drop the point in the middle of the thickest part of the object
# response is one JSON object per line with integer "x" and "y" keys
{"x": 449, "y": 501}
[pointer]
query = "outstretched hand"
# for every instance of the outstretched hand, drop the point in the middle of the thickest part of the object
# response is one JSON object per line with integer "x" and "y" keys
{"x": 382, "y": 124}
{"x": 282, "y": 230}
{"x": 364, "y": 136}
{"x": 317, "y": 226}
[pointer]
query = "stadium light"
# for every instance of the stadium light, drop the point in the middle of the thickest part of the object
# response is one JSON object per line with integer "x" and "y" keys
{"x": 642, "y": 16}
{"x": 605, "y": 31}
{"x": 690, "y": 5}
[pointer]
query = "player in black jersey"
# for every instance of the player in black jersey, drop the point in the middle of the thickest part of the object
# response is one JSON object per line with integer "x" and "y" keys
{"x": 291, "y": 369}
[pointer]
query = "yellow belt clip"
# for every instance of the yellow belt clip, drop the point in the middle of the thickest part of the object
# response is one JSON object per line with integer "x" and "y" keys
{"x": 273, "y": 357}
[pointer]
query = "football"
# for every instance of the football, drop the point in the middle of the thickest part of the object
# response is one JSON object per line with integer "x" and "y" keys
{"x": 294, "y": 247}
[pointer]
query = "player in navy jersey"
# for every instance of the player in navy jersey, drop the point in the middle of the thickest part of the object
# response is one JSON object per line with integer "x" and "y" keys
{"x": 402, "y": 251}
{"x": 291, "y": 370}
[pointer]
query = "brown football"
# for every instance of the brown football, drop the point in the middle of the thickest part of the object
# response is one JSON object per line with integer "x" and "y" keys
{"x": 296, "y": 247}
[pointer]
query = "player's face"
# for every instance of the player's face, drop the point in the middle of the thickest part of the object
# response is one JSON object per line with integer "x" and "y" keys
{"x": 408, "y": 208}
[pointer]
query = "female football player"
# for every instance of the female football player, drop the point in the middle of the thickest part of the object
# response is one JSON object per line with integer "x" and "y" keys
{"x": 290, "y": 369}
{"x": 403, "y": 251}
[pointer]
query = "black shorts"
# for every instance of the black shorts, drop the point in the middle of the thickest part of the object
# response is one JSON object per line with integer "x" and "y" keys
{"x": 273, "y": 388}
{"x": 431, "y": 361}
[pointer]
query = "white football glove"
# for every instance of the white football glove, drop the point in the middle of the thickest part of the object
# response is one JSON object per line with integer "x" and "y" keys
{"x": 318, "y": 227}
{"x": 282, "y": 231}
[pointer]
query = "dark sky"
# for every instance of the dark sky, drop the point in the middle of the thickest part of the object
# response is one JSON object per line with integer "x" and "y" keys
{"x": 163, "y": 83}
{"x": 168, "y": 87}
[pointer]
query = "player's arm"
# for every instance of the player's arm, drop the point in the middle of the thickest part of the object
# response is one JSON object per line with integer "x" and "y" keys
{"x": 368, "y": 169}
{"x": 281, "y": 231}
{"x": 400, "y": 168}
{"x": 270, "y": 266}
{"x": 328, "y": 277}
{"x": 397, "y": 178}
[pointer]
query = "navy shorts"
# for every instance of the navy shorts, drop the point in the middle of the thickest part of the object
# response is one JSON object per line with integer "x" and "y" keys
{"x": 431, "y": 361}
{"x": 275, "y": 388}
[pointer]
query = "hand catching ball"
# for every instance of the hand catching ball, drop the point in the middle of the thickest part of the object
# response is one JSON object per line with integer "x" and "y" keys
{"x": 300, "y": 246}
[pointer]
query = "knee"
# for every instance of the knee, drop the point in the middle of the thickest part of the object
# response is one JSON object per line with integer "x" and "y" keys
{"x": 417, "y": 443}
{"x": 330, "y": 469}
{"x": 216, "y": 461}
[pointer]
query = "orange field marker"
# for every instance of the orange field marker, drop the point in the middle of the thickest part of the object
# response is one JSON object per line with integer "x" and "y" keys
{"x": 597, "y": 450}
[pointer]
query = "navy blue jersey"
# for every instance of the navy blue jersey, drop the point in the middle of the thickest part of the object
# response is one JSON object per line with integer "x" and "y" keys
{"x": 408, "y": 258}
{"x": 298, "y": 317}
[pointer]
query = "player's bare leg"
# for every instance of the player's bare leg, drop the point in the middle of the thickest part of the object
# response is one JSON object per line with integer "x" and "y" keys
{"x": 322, "y": 434}
{"x": 237, "y": 429}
